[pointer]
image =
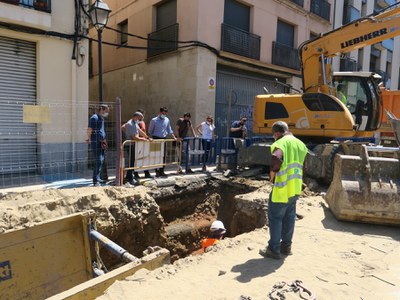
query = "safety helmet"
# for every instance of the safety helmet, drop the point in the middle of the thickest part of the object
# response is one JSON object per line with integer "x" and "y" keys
{"x": 218, "y": 226}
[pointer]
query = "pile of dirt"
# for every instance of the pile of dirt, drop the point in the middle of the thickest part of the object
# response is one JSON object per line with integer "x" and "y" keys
{"x": 129, "y": 216}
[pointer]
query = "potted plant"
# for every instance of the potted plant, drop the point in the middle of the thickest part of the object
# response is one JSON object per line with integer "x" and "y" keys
{"x": 40, "y": 5}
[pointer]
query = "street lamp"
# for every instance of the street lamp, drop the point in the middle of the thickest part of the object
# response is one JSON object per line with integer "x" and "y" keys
{"x": 99, "y": 13}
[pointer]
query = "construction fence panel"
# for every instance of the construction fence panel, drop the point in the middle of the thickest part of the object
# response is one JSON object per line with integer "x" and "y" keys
{"x": 199, "y": 152}
{"x": 55, "y": 147}
{"x": 149, "y": 155}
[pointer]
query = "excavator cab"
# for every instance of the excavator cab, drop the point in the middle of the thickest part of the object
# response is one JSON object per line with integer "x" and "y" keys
{"x": 361, "y": 95}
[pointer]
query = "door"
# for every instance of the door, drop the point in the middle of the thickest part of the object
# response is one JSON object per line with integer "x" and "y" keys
{"x": 18, "y": 147}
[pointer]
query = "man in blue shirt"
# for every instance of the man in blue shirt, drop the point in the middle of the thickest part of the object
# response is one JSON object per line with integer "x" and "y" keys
{"x": 239, "y": 129}
{"x": 96, "y": 137}
{"x": 160, "y": 128}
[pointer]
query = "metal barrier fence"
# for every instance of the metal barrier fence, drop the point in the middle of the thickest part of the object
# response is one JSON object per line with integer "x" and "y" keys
{"x": 146, "y": 155}
{"x": 228, "y": 151}
{"x": 199, "y": 152}
{"x": 44, "y": 141}
{"x": 191, "y": 152}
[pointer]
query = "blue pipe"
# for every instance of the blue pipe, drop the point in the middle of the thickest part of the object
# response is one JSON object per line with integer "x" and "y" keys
{"x": 113, "y": 247}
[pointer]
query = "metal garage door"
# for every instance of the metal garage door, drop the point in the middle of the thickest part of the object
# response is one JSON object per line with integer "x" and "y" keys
{"x": 235, "y": 92}
{"x": 18, "y": 150}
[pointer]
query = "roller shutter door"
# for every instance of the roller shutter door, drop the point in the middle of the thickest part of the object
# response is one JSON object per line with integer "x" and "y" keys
{"x": 18, "y": 143}
{"x": 235, "y": 93}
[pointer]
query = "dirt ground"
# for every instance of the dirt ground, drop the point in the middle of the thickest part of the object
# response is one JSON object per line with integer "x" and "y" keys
{"x": 334, "y": 260}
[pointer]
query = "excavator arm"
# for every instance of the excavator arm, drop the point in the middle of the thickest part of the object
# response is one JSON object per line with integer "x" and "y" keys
{"x": 316, "y": 55}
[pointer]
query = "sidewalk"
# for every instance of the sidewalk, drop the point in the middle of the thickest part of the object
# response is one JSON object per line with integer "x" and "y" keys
{"x": 171, "y": 171}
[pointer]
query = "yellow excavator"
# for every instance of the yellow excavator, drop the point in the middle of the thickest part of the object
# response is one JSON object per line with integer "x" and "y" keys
{"x": 339, "y": 113}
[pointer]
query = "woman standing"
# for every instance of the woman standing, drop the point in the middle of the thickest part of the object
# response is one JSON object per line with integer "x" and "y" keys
{"x": 206, "y": 130}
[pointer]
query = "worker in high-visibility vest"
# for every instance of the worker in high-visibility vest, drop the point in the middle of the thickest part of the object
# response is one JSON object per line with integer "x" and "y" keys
{"x": 341, "y": 94}
{"x": 217, "y": 231}
{"x": 286, "y": 173}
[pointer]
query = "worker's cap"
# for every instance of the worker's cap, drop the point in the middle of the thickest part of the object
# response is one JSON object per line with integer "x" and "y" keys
{"x": 138, "y": 114}
{"x": 243, "y": 118}
{"x": 103, "y": 106}
{"x": 218, "y": 226}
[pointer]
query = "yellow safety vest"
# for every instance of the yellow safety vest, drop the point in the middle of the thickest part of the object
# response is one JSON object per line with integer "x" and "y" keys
{"x": 289, "y": 179}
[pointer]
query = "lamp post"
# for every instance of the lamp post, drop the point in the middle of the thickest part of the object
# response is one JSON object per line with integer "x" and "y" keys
{"x": 99, "y": 13}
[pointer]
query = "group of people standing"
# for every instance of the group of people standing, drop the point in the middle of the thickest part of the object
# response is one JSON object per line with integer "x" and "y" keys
{"x": 135, "y": 129}
{"x": 159, "y": 128}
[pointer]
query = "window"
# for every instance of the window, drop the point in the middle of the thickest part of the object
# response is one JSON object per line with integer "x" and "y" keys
{"x": 237, "y": 15}
{"x": 165, "y": 37}
{"x": 350, "y": 13}
{"x": 299, "y": 2}
{"x": 123, "y": 28}
{"x": 374, "y": 60}
{"x": 313, "y": 35}
{"x": 320, "y": 102}
{"x": 166, "y": 14}
{"x": 275, "y": 111}
{"x": 285, "y": 34}
{"x": 321, "y": 8}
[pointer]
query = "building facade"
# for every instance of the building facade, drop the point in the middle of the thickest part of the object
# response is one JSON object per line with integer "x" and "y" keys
{"x": 382, "y": 58}
{"x": 43, "y": 87}
{"x": 204, "y": 56}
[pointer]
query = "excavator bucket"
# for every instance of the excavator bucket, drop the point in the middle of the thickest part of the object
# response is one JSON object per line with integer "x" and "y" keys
{"x": 395, "y": 123}
{"x": 366, "y": 188}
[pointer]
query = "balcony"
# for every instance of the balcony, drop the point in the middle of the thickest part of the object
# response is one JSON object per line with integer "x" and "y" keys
{"x": 240, "y": 42}
{"x": 163, "y": 40}
{"x": 41, "y": 5}
{"x": 350, "y": 13}
{"x": 349, "y": 65}
{"x": 321, "y": 8}
{"x": 285, "y": 56}
{"x": 298, "y": 2}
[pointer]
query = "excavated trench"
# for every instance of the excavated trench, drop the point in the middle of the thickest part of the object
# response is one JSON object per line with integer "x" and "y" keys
{"x": 188, "y": 213}
{"x": 182, "y": 215}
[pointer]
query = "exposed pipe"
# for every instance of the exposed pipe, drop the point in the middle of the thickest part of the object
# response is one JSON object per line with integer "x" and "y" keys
{"x": 96, "y": 270}
{"x": 323, "y": 67}
{"x": 113, "y": 247}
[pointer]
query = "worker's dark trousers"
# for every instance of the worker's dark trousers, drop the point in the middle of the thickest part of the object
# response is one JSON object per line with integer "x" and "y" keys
{"x": 206, "y": 148}
{"x": 281, "y": 217}
{"x": 98, "y": 159}
{"x": 130, "y": 151}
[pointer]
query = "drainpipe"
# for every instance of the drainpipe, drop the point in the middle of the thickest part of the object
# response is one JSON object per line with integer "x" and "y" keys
{"x": 118, "y": 176}
{"x": 73, "y": 113}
